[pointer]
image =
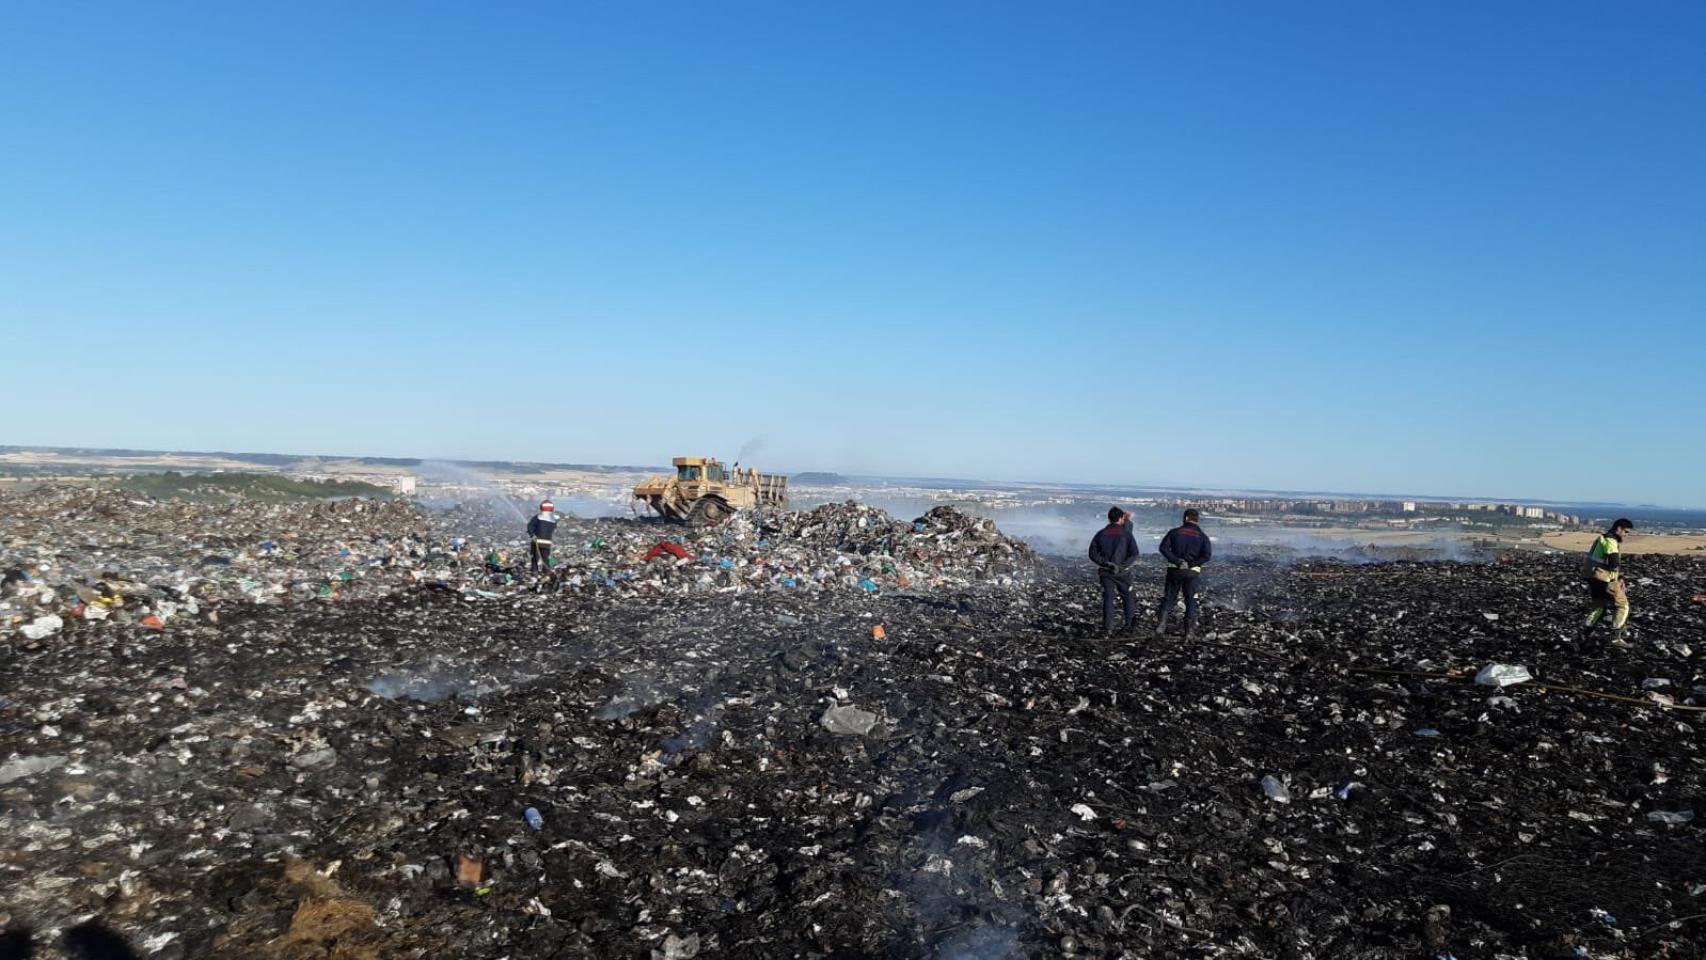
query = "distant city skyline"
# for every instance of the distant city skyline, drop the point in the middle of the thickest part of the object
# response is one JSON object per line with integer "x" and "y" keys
{"x": 1310, "y": 247}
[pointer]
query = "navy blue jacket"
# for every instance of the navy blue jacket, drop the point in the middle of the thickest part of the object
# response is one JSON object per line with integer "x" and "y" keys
{"x": 541, "y": 529}
{"x": 1187, "y": 543}
{"x": 1114, "y": 547}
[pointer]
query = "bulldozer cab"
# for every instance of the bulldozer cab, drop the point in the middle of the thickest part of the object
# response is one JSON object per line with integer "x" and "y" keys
{"x": 697, "y": 469}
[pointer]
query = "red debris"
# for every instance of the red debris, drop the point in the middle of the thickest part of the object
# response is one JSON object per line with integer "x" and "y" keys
{"x": 674, "y": 549}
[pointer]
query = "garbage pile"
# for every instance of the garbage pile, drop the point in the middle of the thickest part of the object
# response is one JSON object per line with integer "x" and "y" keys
{"x": 960, "y": 772}
{"x": 944, "y": 540}
{"x": 77, "y": 554}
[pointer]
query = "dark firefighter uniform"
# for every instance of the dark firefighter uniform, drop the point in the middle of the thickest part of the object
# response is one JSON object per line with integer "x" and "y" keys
{"x": 1186, "y": 549}
{"x": 1114, "y": 551}
{"x": 540, "y": 529}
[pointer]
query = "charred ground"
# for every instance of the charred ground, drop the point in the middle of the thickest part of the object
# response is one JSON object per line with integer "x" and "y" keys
{"x": 304, "y": 778}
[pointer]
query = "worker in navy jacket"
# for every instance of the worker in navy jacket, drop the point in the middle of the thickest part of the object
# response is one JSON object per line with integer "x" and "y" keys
{"x": 1114, "y": 552}
{"x": 540, "y": 529}
{"x": 1186, "y": 549}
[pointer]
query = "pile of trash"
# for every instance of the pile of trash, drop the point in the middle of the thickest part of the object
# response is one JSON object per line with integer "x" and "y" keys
{"x": 1385, "y": 760}
{"x": 78, "y": 553}
{"x": 943, "y": 538}
{"x": 91, "y": 555}
{"x": 834, "y": 548}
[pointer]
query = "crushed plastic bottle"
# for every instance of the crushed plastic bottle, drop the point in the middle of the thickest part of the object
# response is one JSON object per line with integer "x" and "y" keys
{"x": 1275, "y": 790}
{"x": 1671, "y": 816}
{"x": 534, "y": 820}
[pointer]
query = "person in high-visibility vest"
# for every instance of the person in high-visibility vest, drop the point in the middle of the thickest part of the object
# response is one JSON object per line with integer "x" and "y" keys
{"x": 1605, "y": 582}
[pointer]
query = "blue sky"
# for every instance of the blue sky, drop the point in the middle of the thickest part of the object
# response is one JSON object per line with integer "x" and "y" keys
{"x": 1440, "y": 249}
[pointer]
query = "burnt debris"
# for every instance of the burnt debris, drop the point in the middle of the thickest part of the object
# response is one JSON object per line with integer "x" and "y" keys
{"x": 293, "y": 731}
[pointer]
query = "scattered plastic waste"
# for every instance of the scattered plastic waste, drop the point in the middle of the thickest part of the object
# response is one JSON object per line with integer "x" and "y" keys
{"x": 1502, "y": 675}
{"x": 1275, "y": 790}
{"x": 28, "y": 767}
{"x": 42, "y": 627}
{"x": 849, "y": 721}
{"x": 737, "y": 754}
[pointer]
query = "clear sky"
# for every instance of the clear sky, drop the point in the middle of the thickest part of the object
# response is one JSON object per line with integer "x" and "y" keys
{"x": 1429, "y": 248}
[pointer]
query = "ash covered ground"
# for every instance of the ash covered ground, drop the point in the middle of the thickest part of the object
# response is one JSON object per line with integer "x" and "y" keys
{"x": 314, "y": 731}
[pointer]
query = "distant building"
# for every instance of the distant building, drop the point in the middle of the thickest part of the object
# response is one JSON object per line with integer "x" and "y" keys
{"x": 1408, "y": 506}
{"x": 404, "y": 486}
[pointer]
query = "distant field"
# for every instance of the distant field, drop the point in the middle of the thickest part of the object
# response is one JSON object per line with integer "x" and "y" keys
{"x": 1662, "y": 543}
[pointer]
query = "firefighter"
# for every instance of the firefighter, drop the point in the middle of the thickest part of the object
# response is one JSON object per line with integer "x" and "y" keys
{"x": 539, "y": 532}
{"x": 1605, "y": 582}
{"x": 1114, "y": 551}
{"x": 1185, "y": 548}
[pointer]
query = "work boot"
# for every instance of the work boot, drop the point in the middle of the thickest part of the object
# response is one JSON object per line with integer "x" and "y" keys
{"x": 1190, "y": 629}
{"x": 1161, "y": 626}
{"x": 1617, "y": 639}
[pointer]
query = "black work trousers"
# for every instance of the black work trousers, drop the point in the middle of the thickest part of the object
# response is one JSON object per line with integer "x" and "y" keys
{"x": 539, "y": 557}
{"x": 1179, "y": 581}
{"x": 1116, "y": 585}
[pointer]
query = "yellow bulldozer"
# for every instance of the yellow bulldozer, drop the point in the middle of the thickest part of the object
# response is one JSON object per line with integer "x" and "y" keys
{"x": 702, "y": 492}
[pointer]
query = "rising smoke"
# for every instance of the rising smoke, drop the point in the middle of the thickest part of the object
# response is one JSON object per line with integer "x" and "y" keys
{"x": 478, "y": 488}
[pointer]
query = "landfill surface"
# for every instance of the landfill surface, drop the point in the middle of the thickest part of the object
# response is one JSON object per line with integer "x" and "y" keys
{"x": 363, "y": 729}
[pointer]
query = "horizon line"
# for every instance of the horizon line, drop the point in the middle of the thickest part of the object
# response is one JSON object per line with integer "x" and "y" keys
{"x": 1086, "y": 485}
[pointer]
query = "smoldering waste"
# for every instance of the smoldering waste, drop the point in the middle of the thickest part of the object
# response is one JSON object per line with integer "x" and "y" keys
{"x": 246, "y": 753}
